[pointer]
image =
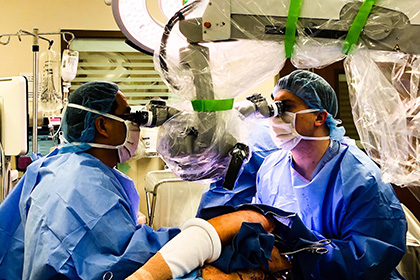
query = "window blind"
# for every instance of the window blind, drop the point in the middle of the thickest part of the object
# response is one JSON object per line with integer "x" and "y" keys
{"x": 113, "y": 60}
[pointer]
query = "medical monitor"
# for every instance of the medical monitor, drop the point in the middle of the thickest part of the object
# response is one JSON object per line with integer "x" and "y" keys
{"x": 14, "y": 115}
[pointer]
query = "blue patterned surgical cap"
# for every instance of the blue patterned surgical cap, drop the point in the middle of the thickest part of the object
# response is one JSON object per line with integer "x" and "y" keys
{"x": 79, "y": 125}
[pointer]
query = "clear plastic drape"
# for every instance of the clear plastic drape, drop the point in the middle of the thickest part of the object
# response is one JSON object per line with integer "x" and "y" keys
{"x": 196, "y": 144}
{"x": 384, "y": 94}
{"x": 203, "y": 59}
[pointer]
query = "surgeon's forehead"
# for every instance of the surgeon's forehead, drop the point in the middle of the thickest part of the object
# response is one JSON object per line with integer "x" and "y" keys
{"x": 122, "y": 104}
{"x": 288, "y": 98}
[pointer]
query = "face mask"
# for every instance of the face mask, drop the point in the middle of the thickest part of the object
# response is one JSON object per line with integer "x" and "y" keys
{"x": 283, "y": 130}
{"x": 132, "y": 135}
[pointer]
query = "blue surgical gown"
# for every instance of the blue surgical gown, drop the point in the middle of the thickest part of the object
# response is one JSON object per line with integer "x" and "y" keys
{"x": 261, "y": 145}
{"x": 345, "y": 201}
{"x": 72, "y": 216}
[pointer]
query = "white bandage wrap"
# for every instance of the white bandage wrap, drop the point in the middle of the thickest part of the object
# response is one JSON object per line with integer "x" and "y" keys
{"x": 197, "y": 243}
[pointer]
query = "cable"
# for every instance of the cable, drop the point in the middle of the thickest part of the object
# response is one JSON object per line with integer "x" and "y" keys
{"x": 180, "y": 15}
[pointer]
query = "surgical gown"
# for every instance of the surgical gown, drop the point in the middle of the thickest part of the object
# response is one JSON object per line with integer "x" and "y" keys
{"x": 71, "y": 216}
{"x": 345, "y": 201}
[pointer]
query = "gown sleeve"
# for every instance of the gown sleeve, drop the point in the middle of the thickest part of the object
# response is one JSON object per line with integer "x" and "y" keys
{"x": 358, "y": 213}
{"x": 370, "y": 237}
{"x": 86, "y": 231}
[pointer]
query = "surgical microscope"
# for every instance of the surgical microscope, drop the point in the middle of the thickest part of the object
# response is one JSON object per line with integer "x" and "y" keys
{"x": 157, "y": 113}
{"x": 384, "y": 26}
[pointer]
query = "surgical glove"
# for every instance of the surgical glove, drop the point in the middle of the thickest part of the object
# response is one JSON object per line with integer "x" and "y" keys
{"x": 141, "y": 218}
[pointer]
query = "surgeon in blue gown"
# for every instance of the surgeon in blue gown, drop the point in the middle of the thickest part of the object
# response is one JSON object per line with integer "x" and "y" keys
{"x": 334, "y": 187}
{"x": 72, "y": 215}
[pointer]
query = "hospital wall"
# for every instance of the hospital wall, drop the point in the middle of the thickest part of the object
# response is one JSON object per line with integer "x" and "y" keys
{"x": 53, "y": 16}
{"x": 47, "y": 16}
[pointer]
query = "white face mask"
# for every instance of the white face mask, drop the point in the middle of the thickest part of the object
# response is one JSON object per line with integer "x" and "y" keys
{"x": 283, "y": 130}
{"x": 132, "y": 135}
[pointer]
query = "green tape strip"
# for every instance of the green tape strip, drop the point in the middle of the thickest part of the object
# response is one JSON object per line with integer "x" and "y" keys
{"x": 123, "y": 167}
{"x": 185, "y": 2}
{"x": 292, "y": 18}
{"x": 357, "y": 26}
{"x": 205, "y": 105}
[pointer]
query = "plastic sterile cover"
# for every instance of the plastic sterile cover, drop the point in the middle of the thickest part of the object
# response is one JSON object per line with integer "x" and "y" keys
{"x": 385, "y": 98}
{"x": 221, "y": 49}
{"x": 324, "y": 29}
{"x": 196, "y": 145}
{"x": 221, "y": 66}
{"x": 320, "y": 28}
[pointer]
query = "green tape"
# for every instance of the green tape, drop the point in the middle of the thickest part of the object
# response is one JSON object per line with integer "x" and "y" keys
{"x": 185, "y": 2}
{"x": 357, "y": 26}
{"x": 208, "y": 105}
{"x": 292, "y": 18}
{"x": 123, "y": 167}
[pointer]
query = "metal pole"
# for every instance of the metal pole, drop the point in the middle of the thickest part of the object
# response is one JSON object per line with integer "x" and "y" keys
{"x": 35, "y": 50}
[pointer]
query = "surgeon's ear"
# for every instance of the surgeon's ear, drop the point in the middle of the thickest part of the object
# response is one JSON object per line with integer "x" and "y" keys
{"x": 321, "y": 118}
{"x": 102, "y": 127}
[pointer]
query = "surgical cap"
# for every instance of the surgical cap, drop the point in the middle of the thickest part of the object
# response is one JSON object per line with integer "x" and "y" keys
{"x": 78, "y": 125}
{"x": 316, "y": 93}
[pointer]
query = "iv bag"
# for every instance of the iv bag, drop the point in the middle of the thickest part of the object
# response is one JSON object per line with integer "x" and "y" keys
{"x": 50, "y": 98}
{"x": 69, "y": 65}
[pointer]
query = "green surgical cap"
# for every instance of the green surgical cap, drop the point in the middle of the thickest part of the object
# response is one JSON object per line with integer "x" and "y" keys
{"x": 78, "y": 125}
{"x": 316, "y": 93}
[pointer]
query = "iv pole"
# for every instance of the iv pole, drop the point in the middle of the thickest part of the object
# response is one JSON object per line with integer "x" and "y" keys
{"x": 35, "y": 49}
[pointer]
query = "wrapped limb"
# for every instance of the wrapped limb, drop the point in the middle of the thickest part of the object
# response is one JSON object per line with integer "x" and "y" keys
{"x": 278, "y": 263}
{"x": 197, "y": 244}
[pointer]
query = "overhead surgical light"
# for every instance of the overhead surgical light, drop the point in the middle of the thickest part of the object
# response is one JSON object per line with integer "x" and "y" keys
{"x": 142, "y": 21}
